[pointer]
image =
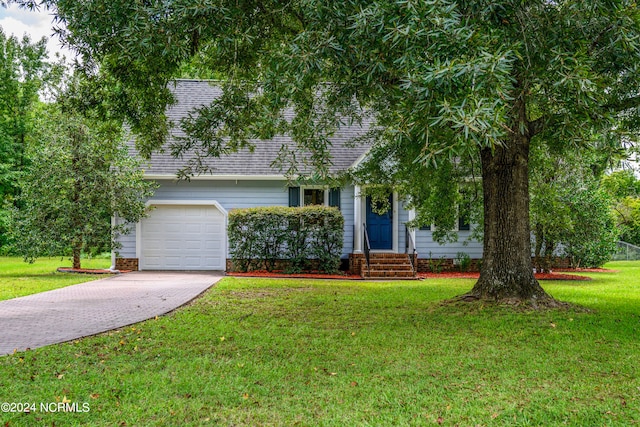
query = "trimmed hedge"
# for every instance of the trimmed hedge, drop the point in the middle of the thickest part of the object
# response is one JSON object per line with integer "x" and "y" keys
{"x": 303, "y": 236}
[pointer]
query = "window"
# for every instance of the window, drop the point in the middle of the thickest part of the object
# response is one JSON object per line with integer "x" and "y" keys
{"x": 463, "y": 224}
{"x": 313, "y": 196}
{"x": 309, "y": 196}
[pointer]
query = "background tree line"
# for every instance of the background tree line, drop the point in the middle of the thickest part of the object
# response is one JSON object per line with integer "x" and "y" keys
{"x": 64, "y": 168}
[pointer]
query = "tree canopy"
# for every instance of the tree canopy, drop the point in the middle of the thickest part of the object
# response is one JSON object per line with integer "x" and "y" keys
{"x": 446, "y": 82}
{"x": 24, "y": 73}
{"x": 570, "y": 212}
{"x": 624, "y": 189}
{"x": 80, "y": 176}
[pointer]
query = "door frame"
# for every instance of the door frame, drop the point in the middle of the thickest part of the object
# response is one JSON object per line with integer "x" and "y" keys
{"x": 164, "y": 202}
{"x": 394, "y": 222}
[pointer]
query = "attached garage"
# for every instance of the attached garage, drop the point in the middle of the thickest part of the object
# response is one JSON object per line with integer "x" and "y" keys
{"x": 183, "y": 237}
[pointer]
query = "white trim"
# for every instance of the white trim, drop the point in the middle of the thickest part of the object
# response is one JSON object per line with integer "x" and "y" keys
{"x": 199, "y": 202}
{"x": 357, "y": 220}
{"x": 163, "y": 202}
{"x": 113, "y": 252}
{"x": 325, "y": 196}
{"x": 361, "y": 158}
{"x": 411, "y": 215}
{"x": 395, "y": 223}
{"x": 218, "y": 177}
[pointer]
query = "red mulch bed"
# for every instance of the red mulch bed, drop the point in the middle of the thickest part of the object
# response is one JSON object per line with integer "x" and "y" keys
{"x": 539, "y": 276}
{"x": 282, "y": 275}
{"x": 443, "y": 275}
{"x": 586, "y": 270}
{"x": 88, "y": 271}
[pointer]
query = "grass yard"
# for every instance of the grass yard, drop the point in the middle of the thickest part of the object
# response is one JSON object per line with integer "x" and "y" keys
{"x": 18, "y": 278}
{"x": 336, "y": 353}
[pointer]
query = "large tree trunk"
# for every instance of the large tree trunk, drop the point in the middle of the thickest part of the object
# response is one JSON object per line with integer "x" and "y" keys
{"x": 507, "y": 269}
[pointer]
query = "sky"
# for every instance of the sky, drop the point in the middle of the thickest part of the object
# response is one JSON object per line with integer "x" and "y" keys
{"x": 37, "y": 24}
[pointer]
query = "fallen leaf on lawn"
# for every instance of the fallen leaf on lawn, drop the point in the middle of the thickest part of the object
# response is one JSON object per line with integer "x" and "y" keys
{"x": 333, "y": 373}
{"x": 221, "y": 338}
{"x": 245, "y": 396}
{"x": 439, "y": 420}
{"x": 60, "y": 376}
{"x": 94, "y": 395}
{"x": 65, "y": 400}
{"x": 553, "y": 325}
{"x": 494, "y": 416}
{"x": 354, "y": 383}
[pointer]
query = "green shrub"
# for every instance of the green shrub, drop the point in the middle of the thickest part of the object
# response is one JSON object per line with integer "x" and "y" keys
{"x": 260, "y": 237}
{"x": 463, "y": 260}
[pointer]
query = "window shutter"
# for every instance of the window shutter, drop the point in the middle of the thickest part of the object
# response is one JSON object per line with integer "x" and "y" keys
{"x": 294, "y": 196}
{"x": 334, "y": 197}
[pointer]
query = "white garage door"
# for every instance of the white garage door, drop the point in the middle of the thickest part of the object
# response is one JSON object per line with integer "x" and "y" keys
{"x": 183, "y": 237}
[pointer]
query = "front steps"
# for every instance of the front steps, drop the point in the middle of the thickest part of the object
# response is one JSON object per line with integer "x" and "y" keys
{"x": 388, "y": 266}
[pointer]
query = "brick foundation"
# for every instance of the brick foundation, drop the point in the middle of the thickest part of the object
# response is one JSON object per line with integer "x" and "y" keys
{"x": 281, "y": 265}
{"x": 424, "y": 265}
{"x": 127, "y": 264}
{"x": 355, "y": 263}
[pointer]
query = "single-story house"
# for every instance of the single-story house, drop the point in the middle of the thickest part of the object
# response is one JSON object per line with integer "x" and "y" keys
{"x": 186, "y": 230}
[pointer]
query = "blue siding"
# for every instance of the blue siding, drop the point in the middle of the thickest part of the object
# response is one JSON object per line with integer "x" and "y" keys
{"x": 346, "y": 207}
{"x": 234, "y": 194}
{"x": 427, "y": 248}
{"x": 403, "y": 217}
{"x": 128, "y": 241}
{"x": 230, "y": 194}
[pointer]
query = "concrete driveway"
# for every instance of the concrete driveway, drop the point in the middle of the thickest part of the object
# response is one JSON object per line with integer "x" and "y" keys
{"x": 90, "y": 308}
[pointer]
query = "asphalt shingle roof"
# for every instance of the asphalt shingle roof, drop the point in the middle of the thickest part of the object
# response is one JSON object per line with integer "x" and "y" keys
{"x": 191, "y": 94}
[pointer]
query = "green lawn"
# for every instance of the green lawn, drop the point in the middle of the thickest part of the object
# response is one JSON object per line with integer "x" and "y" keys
{"x": 18, "y": 278}
{"x": 346, "y": 353}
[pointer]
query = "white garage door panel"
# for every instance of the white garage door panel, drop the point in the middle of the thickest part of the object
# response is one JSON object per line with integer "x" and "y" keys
{"x": 183, "y": 238}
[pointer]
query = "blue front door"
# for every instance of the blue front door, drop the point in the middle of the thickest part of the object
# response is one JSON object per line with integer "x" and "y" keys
{"x": 380, "y": 227}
